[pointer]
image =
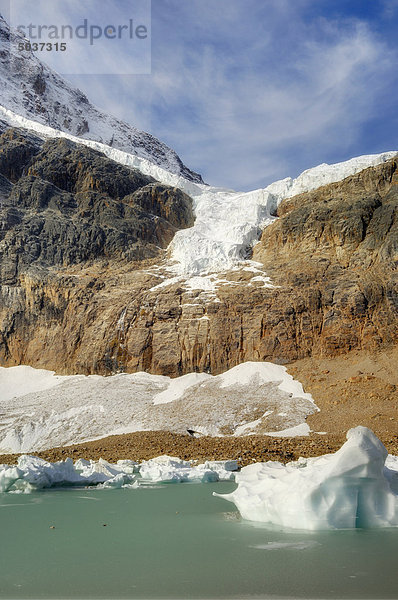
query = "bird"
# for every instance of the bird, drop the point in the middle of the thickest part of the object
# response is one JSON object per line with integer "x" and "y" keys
{"x": 193, "y": 433}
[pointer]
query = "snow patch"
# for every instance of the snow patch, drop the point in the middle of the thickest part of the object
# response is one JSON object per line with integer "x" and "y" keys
{"x": 178, "y": 386}
{"x": 29, "y": 380}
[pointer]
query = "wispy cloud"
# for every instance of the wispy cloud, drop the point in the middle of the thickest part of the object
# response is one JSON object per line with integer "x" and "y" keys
{"x": 248, "y": 91}
{"x": 239, "y": 115}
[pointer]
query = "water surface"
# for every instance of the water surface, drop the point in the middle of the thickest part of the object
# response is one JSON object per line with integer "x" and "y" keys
{"x": 178, "y": 541}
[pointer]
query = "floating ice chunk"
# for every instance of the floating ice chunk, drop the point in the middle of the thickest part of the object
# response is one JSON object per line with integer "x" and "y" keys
{"x": 118, "y": 481}
{"x": 81, "y": 464}
{"x": 100, "y": 471}
{"x": 348, "y": 489}
{"x": 224, "y": 468}
{"x": 225, "y": 465}
{"x": 168, "y": 469}
{"x": 128, "y": 466}
{"x": 42, "y": 474}
{"x": 34, "y": 473}
{"x": 165, "y": 468}
{"x": 8, "y": 477}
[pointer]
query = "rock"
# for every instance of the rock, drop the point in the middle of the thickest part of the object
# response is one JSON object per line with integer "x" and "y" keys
{"x": 69, "y": 204}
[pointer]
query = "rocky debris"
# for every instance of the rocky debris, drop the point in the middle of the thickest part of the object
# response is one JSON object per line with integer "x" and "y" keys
{"x": 359, "y": 387}
{"x": 144, "y": 445}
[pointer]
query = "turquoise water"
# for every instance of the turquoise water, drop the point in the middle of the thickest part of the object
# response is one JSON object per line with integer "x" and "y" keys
{"x": 178, "y": 541}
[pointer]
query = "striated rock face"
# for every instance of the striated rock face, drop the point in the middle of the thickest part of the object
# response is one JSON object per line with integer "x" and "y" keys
{"x": 334, "y": 252}
{"x": 65, "y": 204}
{"x": 89, "y": 301}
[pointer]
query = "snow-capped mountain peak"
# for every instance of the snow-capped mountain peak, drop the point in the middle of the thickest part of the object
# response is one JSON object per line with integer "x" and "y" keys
{"x": 33, "y": 90}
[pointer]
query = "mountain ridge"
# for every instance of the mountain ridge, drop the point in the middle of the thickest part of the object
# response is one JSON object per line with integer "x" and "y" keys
{"x": 31, "y": 89}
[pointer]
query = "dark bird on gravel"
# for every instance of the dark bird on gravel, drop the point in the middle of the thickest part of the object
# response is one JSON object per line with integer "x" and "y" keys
{"x": 193, "y": 433}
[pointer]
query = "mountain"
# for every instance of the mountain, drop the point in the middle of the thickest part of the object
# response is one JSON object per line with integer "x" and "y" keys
{"x": 31, "y": 89}
{"x": 87, "y": 284}
{"x": 113, "y": 258}
{"x": 65, "y": 204}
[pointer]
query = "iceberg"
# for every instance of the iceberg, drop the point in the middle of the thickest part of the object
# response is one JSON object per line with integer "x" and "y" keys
{"x": 352, "y": 488}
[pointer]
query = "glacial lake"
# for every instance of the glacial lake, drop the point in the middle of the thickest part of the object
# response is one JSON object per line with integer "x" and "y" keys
{"x": 178, "y": 541}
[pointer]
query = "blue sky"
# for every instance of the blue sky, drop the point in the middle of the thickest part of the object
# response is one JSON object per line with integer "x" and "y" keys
{"x": 249, "y": 91}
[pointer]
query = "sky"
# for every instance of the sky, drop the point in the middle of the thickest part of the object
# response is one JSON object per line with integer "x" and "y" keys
{"x": 250, "y": 91}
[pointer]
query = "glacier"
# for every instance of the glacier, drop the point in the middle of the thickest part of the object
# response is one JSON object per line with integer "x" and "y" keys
{"x": 356, "y": 487}
{"x": 33, "y": 473}
{"x": 227, "y": 223}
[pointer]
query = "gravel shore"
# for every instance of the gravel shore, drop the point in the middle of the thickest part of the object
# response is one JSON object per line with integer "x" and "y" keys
{"x": 144, "y": 445}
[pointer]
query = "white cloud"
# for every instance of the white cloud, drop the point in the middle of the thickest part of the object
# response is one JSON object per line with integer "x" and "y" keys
{"x": 247, "y": 91}
{"x": 243, "y": 123}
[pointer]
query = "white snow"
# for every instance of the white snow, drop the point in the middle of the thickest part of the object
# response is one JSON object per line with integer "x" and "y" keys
{"x": 40, "y": 410}
{"x": 227, "y": 223}
{"x": 263, "y": 372}
{"x": 32, "y": 473}
{"x": 355, "y": 487}
{"x": 178, "y": 386}
{"x": 298, "y": 430}
{"x": 29, "y": 380}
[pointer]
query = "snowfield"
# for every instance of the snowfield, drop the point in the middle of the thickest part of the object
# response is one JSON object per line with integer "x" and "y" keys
{"x": 227, "y": 223}
{"x": 40, "y": 410}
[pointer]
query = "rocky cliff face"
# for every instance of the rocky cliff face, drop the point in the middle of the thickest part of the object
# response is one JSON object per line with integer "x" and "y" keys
{"x": 65, "y": 204}
{"x": 334, "y": 252}
{"x": 92, "y": 300}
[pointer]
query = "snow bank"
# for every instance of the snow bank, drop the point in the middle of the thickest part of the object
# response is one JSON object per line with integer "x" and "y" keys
{"x": 355, "y": 487}
{"x": 39, "y": 410}
{"x": 21, "y": 380}
{"x": 227, "y": 223}
{"x": 34, "y": 473}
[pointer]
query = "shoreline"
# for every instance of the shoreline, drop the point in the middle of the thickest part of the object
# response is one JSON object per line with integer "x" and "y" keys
{"x": 144, "y": 445}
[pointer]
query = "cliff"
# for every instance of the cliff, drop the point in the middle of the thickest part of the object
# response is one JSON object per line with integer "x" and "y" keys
{"x": 82, "y": 247}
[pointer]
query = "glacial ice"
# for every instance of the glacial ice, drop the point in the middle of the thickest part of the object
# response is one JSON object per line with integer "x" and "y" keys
{"x": 227, "y": 223}
{"x": 357, "y": 487}
{"x": 33, "y": 473}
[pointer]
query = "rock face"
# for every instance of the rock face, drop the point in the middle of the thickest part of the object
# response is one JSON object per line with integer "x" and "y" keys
{"x": 31, "y": 89}
{"x": 79, "y": 234}
{"x": 65, "y": 204}
{"x": 334, "y": 252}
